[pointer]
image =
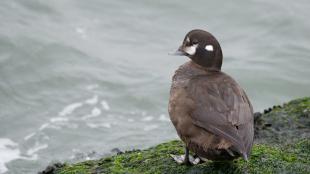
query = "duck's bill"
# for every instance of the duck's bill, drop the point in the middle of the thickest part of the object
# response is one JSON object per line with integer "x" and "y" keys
{"x": 178, "y": 53}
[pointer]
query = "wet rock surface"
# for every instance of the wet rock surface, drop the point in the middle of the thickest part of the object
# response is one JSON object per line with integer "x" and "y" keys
{"x": 284, "y": 124}
{"x": 52, "y": 168}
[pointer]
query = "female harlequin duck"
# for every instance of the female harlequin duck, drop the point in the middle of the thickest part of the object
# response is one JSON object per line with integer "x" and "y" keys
{"x": 210, "y": 111}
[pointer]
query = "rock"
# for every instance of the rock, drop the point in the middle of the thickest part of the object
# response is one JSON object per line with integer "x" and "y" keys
{"x": 52, "y": 168}
{"x": 282, "y": 145}
{"x": 284, "y": 125}
{"x": 292, "y": 158}
{"x": 257, "y": 116}
{"x": 117, "y": 151}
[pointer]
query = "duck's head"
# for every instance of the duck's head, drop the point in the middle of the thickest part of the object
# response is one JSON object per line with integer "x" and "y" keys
{"x": 203, "y": 49}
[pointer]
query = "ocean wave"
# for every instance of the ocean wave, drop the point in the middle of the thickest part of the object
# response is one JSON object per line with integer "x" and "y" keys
{"x": 92, "y": 87}
{"x": 163, "y": 117}
{"x": 150, "y": 127}
{"x": 8, "y": 151}
{"x": 37, "y": 147}
{"x": 70, "y": 108}
{"x": 147, "y": 118}
{"x": 105, "y": 125}
{"x": 92, "y": 101}
{"x": 59, "y": 119}
{"x": 105, "y": 105}
{"x": 94, "y": 113}
{"x": 43, "y": 126}
{"x": 27, "y": 137}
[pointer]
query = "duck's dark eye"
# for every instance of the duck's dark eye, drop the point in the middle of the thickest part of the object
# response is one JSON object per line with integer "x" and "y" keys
{"x": 194, "y": 42}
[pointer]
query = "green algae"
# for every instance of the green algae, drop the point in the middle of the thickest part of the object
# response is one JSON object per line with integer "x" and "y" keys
{"x": 282, "y": 146}
{"x": 264, "y": 159}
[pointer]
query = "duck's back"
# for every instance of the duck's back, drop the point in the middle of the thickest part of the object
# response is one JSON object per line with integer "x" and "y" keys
{"x": 211, "y": 113}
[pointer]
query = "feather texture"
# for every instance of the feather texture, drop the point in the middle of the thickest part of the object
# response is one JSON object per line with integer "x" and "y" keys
{"x": 205, "y": 103}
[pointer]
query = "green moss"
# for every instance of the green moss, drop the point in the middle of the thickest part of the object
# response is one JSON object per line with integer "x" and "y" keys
{"x": 299, "y": 107}
{"x": 282, "y": 146}
{"x": 264, "y": 159}
{"x": 77, "y": 168}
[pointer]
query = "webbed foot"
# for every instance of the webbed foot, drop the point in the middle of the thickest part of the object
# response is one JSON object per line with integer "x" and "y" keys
{"x": 180, "y": 159}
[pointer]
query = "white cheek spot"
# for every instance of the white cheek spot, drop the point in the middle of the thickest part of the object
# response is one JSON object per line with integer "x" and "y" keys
{"x": 191, "y": 50}
{"x": 209, "y": 47}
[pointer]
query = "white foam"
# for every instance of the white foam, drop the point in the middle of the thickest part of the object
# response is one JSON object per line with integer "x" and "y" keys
{"x": 54, "y": 126}
{"x": 105, "y": 125}
{"x": 8, "y": 151}
{"x": 37, "y": 147}
{"x": 163, "y": 117}
{"x": 43, "y": 126}
{"x": 94, "y": 113}
{"x": 27, "y": 137}
{"x": 91, "y": 87}
{"x": 92, "y": 101}
{"x": 59, "y": 119}
{"x": 148, "y": 118}
{"x": 70, "y": 108}
{"x": 105, "y": 105}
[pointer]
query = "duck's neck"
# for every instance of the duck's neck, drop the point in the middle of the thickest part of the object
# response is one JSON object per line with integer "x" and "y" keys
{"x": 212, "y": 68}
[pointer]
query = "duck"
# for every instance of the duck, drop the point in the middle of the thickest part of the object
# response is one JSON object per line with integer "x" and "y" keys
{"x": 210, "y": 111}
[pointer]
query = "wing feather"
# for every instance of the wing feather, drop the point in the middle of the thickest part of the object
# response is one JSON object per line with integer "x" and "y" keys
{"x": 223, "y": 108}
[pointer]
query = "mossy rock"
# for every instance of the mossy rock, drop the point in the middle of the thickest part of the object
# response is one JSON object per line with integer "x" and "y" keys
{"x": 264, "y": 159}
{"x": 284, "y": 124}
{"x": 282, "y": 146}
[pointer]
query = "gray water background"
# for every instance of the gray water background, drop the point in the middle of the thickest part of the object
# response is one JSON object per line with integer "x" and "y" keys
{"x": 79, "y": 78}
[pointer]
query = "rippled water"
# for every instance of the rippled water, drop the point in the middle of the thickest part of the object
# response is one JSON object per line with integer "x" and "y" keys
{"x": 78, "y": 78}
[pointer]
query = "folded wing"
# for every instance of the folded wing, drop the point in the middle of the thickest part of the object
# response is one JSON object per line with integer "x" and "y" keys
{"x": 222, "y": 107}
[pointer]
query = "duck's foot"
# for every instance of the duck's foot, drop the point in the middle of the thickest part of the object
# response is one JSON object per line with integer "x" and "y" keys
{"x": 201, "y": 159}
{"x": 181, "y": 159}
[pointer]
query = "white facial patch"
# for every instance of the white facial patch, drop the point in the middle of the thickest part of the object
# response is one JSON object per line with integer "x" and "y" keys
{"x": 209, "y": 47}
{"x": 191, "y": 50}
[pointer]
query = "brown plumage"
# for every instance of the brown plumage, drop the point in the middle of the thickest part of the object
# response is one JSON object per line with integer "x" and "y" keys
{"x": 210, "y": 111}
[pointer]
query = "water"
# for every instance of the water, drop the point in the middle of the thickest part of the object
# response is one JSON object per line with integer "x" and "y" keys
{"x": 79, "y": 78}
